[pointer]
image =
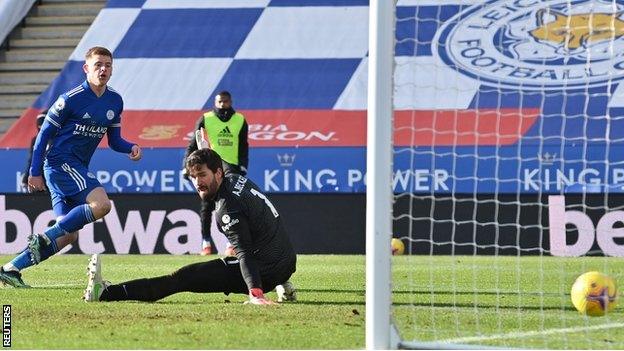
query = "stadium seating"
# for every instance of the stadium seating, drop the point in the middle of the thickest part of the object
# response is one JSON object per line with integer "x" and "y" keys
{"x": 35, "y": 51}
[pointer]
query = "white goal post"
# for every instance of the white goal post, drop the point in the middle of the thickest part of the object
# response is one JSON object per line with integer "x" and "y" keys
{"x": 379, "y": 175}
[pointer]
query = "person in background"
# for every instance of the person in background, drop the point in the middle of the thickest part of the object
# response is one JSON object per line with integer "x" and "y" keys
{"x": 226, "y": 131}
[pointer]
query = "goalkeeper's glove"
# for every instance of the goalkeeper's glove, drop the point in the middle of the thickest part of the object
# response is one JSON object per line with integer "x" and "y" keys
{"x": 256, "y": 297}
{"x": 200, "y": 139}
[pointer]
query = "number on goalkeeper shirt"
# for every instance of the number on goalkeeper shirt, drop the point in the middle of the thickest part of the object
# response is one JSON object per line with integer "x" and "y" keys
{"x": 266, "y": 201}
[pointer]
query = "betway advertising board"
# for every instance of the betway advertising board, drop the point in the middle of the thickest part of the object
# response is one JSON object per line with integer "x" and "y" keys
{"x": 170, "y": 224}
{"x": 557, "y": 225}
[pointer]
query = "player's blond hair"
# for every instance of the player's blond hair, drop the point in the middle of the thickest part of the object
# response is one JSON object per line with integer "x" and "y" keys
{"x": 98, "y": 50}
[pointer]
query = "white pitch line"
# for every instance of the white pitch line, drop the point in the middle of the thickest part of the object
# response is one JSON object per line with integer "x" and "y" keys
{"x": 533, "y": 333}
{"x": 58, "y": 286}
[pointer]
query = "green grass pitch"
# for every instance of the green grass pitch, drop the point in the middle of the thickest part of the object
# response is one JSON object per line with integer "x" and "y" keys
{"x": 517, "y": 302}
{"x": 329, "y": 315}
{"x": 501, "y": 302}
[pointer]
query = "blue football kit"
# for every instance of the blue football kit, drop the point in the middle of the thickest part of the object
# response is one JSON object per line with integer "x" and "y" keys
{"x": 72, "y": 130}
{"x": 74, "y": 126}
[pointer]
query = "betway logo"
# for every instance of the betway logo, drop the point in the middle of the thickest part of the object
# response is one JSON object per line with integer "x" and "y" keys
{"x": 604, "y": 232}
{"x": 182, "y": 239}
{"x": 281, "y": 132}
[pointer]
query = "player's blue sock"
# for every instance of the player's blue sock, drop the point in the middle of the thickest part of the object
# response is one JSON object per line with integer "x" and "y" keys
{"x": 54, "y": 232}
{"x": 22, "y": 260}
{"x": 73, "y": 221}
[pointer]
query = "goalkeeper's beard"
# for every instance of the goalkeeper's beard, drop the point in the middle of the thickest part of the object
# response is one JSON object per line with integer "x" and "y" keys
{"x": 208, "y": 191}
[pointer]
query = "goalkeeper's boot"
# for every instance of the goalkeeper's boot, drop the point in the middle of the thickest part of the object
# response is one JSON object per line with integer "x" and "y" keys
{"x": 12, "y": 278}
{"x": 95, "y": 284}
{"x": 36, "y": 244}
{"x": 206, "y": 251}
{"x": 286, "y": 292}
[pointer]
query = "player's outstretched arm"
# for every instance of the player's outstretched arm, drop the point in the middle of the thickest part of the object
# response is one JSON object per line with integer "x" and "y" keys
{"x": 248, "y": 266}
{"x": 35, "y": 180}
{"x": 117, "y": 143}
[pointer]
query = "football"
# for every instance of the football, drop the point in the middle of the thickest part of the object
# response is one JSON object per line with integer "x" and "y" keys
{"x": 594, "y": 294}
{"x": 398, "y": 248}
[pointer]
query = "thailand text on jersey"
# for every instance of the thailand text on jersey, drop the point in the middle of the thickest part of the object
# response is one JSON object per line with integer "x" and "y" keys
{"x": 83, "y": 119}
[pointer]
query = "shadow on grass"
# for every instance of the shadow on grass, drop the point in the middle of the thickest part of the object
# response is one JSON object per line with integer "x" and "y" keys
{"x": 480, "y": 306}
{"x": 299, "y": 302}
{"x": 477, "y": 293}
{"x": 353, "y": 291}
{"x": 438, "y": 292}
{"x": 40, "y": 288}
{"x": 326, "y": 303}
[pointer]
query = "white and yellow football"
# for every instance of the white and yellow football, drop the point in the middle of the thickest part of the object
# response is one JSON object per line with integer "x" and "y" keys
{"x": 398, "y": 248}
{"x": 594, "y": 294}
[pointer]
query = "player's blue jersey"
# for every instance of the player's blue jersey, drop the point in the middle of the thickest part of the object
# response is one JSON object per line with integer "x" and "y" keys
{"x": 83, "y": 119}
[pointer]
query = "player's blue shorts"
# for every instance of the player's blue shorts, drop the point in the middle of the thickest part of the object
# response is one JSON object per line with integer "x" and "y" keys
{"x": 69, "y": 186}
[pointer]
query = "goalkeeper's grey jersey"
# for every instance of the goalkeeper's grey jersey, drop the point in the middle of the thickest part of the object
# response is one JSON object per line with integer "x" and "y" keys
{"x": 254, "y": 227}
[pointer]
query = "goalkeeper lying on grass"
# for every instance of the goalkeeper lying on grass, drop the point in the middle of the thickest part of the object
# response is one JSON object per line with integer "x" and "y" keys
{"x": 264, "y": 258}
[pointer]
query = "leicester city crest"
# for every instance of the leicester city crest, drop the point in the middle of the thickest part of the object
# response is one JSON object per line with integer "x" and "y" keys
{"x": 536, "y": 44}
{"x": 59, "y": 105}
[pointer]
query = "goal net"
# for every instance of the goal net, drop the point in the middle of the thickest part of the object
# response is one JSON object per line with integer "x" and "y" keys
{"x": 508, "y": 170}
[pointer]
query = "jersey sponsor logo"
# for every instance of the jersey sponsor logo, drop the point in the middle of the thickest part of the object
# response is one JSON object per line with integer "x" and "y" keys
{"x": 225, "y": 219}
{"x": 86, "y": 115}
{"x": 534, "y": 44}
{"x": 90, "y": 175}
{"x": 230, "y": 225}
{"x": 90, "y": 131}
{"x": 225, "y": 142}
{"x": 110, "y": 114}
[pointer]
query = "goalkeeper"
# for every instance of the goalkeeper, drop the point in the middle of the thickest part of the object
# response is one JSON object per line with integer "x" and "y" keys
{"x": 264, "y": 255}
